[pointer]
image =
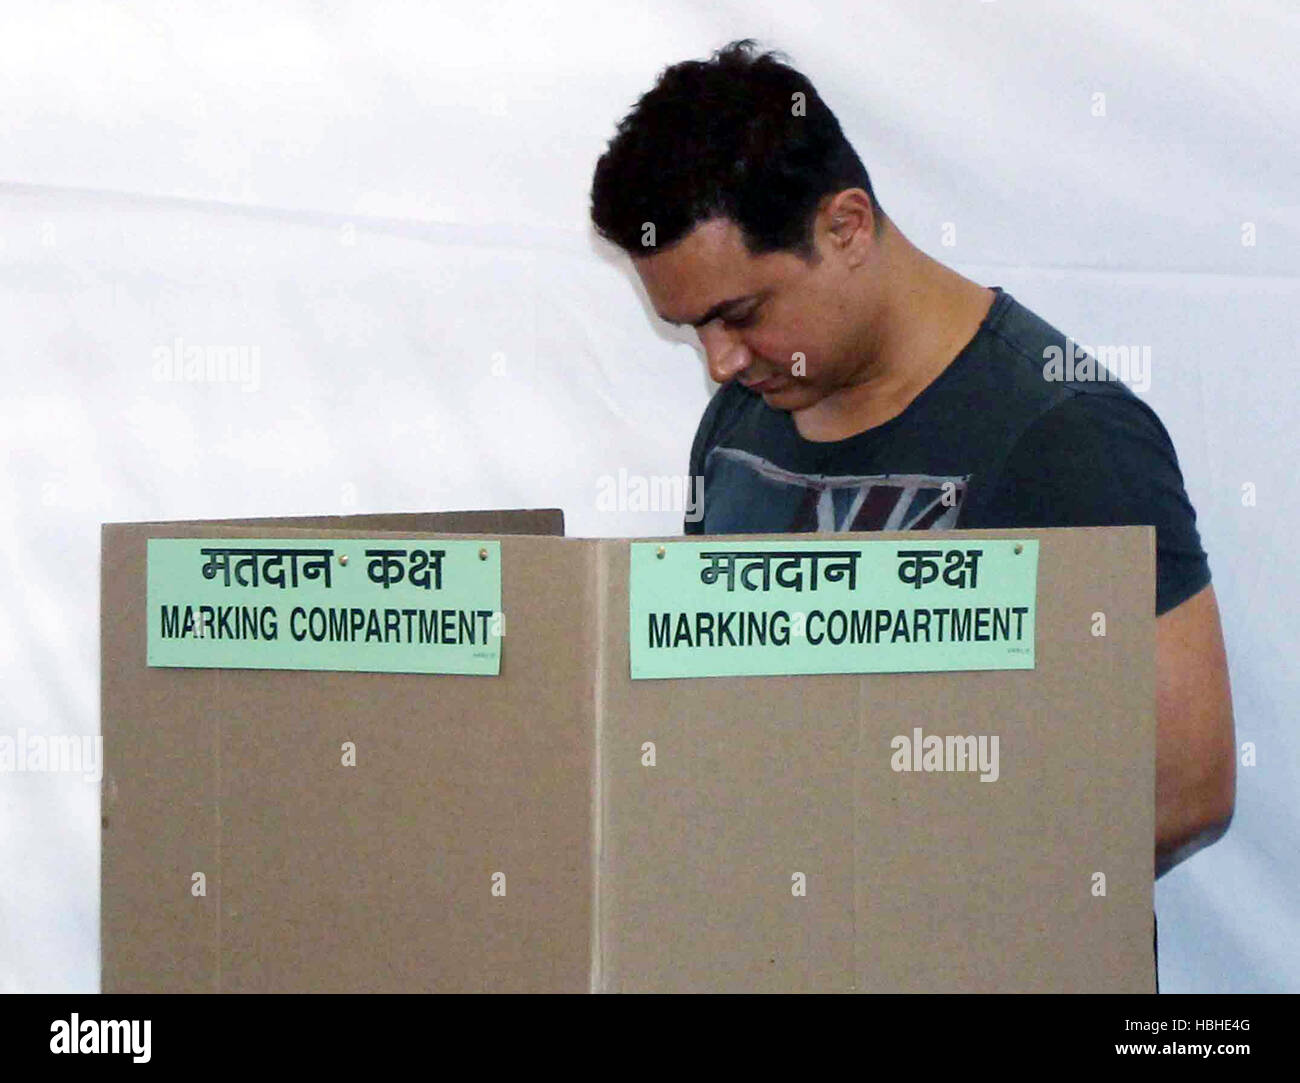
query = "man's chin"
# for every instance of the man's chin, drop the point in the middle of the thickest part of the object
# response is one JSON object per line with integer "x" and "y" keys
{"x": 785, "y": 395}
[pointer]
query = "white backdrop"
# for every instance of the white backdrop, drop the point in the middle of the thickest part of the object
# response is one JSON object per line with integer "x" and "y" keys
{"x": 382, "y": 207}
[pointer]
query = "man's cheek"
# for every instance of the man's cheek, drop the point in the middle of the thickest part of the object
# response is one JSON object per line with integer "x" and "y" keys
{"x": 799, "y": 361}
{"x": 782, "y": 357}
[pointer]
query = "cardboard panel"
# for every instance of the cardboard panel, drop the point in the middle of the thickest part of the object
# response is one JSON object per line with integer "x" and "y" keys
{"x": 375, "y": 877}
{"x": 922, "y": 881}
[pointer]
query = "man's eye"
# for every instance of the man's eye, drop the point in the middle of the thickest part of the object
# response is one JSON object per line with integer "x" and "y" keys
{"x": 740, "y": 321}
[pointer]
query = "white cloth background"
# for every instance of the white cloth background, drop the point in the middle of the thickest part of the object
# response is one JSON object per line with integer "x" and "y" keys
{"x": 387, "y": 203}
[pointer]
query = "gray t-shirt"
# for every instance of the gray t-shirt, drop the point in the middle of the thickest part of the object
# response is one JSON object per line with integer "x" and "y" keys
{"x": 990, "y": 442}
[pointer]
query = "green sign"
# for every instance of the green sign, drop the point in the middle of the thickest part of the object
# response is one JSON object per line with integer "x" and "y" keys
{"x": 361, "y": 605}
{"x": 719, "y": 609}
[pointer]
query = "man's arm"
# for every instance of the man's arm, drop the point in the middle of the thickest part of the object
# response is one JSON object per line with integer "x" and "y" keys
{"x": 1095, "y": 461}
{"x": 1196, "y": 759}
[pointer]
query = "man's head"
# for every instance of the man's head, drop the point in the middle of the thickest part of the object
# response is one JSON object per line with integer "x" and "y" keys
{"x": 731, "y": 181}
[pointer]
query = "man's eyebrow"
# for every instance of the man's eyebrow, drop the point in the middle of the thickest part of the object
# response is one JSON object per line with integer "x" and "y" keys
{"x": 713, "y": 313}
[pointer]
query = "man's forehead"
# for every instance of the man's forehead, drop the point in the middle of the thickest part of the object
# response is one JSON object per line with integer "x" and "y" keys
{"x": 702, "y": 276}
{"x": 728, "y": 306}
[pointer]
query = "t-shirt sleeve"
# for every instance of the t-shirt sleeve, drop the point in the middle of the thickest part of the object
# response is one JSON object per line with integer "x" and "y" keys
{"x": 1104, "y": 460}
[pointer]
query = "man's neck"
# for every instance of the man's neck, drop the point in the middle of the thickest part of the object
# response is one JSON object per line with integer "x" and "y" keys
{"x": 920, "y": 324}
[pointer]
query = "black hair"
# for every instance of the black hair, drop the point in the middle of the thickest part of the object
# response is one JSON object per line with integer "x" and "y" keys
{"x": 725, "y": 137}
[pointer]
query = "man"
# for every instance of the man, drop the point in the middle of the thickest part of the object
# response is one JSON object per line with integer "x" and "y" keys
{"x": 867, "y": 386}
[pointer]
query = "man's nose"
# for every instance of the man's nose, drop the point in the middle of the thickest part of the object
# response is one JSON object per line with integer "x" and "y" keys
{"x": 727, "y": 356}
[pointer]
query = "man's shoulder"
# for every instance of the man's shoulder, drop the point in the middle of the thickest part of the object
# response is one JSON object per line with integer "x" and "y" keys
{"x": 1073, "y": 384}
{"x": 1040, "y": 375}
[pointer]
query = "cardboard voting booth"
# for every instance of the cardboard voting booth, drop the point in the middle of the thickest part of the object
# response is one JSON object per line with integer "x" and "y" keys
{"x": 460, "y": 752}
